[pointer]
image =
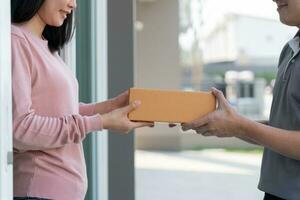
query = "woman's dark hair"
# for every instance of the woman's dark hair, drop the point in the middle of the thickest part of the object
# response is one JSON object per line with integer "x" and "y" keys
{"x": 24, "y": 10}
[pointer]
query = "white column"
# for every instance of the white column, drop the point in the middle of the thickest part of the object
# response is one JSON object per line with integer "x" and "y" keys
{"x": 6, "y": 171}
{"x": 100, "y": 91}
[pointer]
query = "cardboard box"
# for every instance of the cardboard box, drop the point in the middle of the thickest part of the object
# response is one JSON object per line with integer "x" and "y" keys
{"x": 170, "y": 106}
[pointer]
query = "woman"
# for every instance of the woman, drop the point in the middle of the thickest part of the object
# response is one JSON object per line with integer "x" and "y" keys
{"x": 280, "y": 170}
{"x": 49, "y": 124}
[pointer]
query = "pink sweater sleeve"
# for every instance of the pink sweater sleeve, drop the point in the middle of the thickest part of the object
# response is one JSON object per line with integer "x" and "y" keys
{"x": 87, "y": 109}
{"x": 30, "y": 130}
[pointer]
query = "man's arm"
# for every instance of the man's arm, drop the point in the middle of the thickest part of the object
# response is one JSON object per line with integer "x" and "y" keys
{"x": 282, "y": 141}
{"x": 226, "y": 122}
{"x": 249, "y": 140}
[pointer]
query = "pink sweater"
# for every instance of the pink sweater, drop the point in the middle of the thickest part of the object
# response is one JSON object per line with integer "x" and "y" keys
{"x": 49, "y": 124}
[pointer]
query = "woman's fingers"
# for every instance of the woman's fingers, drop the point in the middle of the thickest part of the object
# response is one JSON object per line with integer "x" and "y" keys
{"x": 132, "y": 106}
{"x": 121, "y": 100}
{"x": 124, "y": 96}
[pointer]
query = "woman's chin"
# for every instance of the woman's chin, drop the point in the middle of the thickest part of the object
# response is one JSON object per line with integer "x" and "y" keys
{"x": 57, "y": 23}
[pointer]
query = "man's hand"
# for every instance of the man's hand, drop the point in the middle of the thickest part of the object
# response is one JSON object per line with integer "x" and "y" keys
{"x": 224, "y": 122}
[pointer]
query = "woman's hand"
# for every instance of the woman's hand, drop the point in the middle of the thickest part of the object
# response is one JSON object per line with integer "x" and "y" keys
{"x": 113, "y": 103}
{"x": 117, "y": 120}
{"x": 224, "y": 122}
{"x": 120, "y": 101}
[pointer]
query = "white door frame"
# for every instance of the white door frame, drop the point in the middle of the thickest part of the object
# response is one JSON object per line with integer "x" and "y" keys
{"x": 6, "y": 155}
{"x": 99, "y": 36}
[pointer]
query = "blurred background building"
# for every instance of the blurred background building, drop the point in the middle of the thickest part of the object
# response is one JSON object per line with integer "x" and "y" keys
{"x": 198, "y": 44}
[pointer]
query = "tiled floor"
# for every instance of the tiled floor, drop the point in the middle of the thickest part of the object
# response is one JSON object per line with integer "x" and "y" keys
{"x": 197, "y": 175}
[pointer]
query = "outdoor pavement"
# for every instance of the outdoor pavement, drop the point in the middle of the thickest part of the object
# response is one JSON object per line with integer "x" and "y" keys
{"x": 197, "y": 175}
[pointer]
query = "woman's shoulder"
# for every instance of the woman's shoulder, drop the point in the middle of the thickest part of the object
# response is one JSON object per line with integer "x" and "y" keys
{"x": 21, "y": 35}
{"x": 16, "y": 32}
{"x": 19, "y": 43}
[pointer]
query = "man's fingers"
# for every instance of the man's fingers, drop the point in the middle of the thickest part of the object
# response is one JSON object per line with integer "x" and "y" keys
{"x": 201, "y": 130}
{"x": 206, "y": 134}
{"x": 204, "y": 130}
{"x": 141, "y": 124}
{"x": 196, "y": 123}
{"x": 172, "y": 125}
{"x": 222, "y": 101}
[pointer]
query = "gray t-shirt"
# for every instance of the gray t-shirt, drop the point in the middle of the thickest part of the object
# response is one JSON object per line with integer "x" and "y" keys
{"x": 280, "y": 175}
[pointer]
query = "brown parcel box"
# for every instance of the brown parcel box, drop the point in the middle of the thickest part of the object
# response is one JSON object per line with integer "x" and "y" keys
{"x": 170, "y": 106}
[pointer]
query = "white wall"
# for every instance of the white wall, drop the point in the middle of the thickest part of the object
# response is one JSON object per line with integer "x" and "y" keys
{"x": 241, "y": 36}
{"x": 220, "y": 44}
{"x": 258, "y": 37}
{"x": 6, "y": 178}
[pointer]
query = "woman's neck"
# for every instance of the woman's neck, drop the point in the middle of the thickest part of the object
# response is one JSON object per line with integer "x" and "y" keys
{"x": 35, "y": 25}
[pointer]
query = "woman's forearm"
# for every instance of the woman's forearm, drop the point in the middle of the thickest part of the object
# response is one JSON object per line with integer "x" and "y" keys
{"x": 104, "y": 107}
